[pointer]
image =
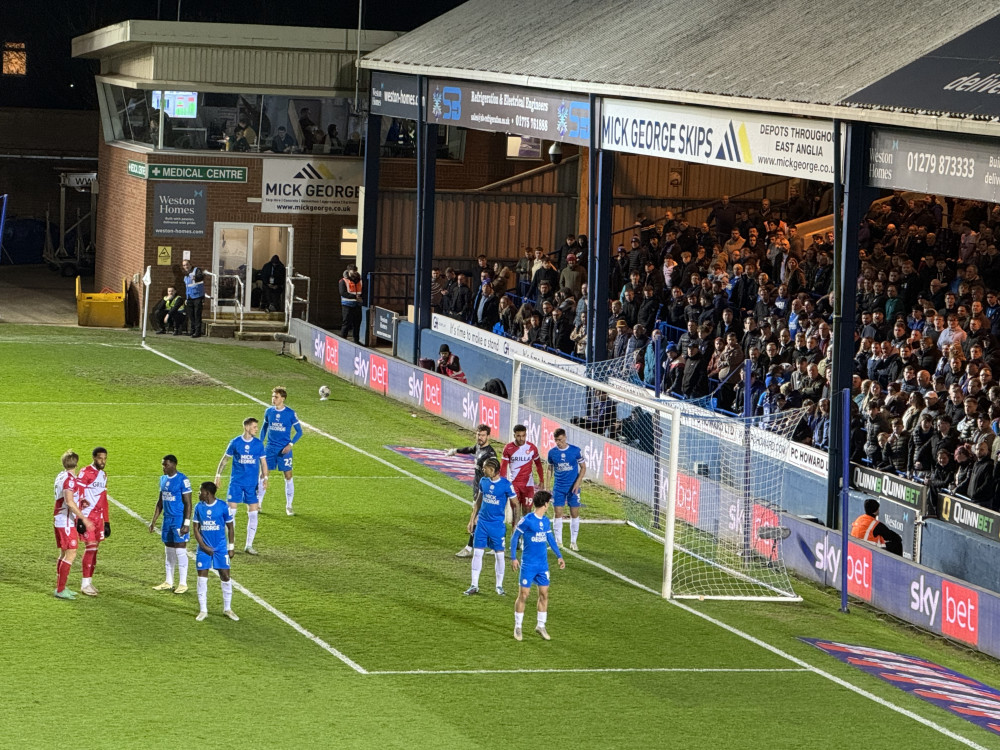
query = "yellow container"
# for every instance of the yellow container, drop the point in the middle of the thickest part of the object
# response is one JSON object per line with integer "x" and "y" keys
{"x": 100, "y": 310}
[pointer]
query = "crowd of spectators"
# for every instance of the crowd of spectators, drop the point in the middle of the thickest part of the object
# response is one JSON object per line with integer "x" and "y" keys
{"x": 745, "y": 284}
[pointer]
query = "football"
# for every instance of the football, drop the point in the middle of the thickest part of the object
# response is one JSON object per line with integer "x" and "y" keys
{"x": 324, "y": 392}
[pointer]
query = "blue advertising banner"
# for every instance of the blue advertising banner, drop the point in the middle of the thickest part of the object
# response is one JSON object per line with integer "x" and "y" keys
{"x": 536, "y": 113}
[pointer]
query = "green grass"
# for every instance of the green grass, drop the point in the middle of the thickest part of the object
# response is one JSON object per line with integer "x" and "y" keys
{"x": 367, "y": 566}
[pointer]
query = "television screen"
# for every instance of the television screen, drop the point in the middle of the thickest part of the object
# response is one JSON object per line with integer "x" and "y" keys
{"x": 179, "y": 104}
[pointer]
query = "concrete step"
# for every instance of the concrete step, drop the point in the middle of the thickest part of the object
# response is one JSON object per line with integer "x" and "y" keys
{"x": 253, "y": 335}
{"x": 254, "y": 315}
{"x": 253, "y": 330}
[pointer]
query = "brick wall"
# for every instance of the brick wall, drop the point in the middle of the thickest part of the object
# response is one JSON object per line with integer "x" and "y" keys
{"x": 128, "y": 244}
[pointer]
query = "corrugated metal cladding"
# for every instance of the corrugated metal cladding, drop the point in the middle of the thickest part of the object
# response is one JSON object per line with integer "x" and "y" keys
{"x": 261, "y": 68}
{"x": 779, "y": 50}
{"x": 467, "y": 224}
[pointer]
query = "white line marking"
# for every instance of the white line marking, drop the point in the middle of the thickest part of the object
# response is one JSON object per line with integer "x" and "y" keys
{"x": 573, "y": 671}
{"x": 276, "y": 612}
{"x": 735, "y": 631}
{"x": 297, "y": 476}
{"x": 116, "y": 403}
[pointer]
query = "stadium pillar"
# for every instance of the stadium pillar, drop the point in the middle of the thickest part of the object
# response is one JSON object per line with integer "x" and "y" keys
{"x": 369, "y": 207}
{"x": 856, "y": 197}
{"x": 426, "y": 162}
{"x": 600, "y": 199}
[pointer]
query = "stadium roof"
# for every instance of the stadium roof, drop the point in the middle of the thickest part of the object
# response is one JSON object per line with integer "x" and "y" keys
{"x": 788, "y": 56}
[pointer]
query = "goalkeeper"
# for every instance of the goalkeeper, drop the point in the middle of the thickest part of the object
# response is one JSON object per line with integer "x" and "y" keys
{"x": 483, "y": 451}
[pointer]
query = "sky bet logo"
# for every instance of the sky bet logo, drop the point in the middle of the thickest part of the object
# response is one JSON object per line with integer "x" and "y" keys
{"x": 859, "y": 567}
{"x": 958, "y": 605}
{"x": 484, "y": 410}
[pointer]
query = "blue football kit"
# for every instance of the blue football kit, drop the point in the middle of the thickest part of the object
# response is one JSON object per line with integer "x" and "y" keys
{"x": 245, "y": 473}
{"x": 277, "y": 432}
{"x": 172, "y": 491}
{"x": 212, "y": 520}
{"x": 491, "y": 531}
{"x": 538, "y": 538}
{"x": 565, "y": 463}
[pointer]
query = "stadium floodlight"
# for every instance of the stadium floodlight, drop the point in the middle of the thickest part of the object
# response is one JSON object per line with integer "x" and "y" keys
{"x": 708, "y": 487}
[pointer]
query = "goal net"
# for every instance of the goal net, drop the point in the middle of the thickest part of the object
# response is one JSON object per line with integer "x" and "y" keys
{"x": 709, "y": 488}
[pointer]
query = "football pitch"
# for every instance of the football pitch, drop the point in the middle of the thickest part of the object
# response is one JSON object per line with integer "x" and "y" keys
{"x": 354, "y": 631}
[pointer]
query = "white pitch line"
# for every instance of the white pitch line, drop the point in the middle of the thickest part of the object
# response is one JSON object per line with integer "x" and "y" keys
{"x": 583, "y": 670}
{"x": 298, "y": 476}
{"x": 735, "y": 631}
{"x": 274, "y": 611}
{"x": 115, "y": 403}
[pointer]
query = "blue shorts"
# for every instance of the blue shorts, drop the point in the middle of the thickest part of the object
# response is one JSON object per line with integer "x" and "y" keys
{"x": 238, "y": 494}
{"x": 491, "y": 534}
{"x": 560, "y": 498}
{"x": 527, "y": 577}
{"x": 278, "y": 461}
{"x": 219, "y": 561}
{"x": 170, "y": 531}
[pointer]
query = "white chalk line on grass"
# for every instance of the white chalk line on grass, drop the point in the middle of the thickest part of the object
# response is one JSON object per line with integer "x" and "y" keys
{"x": 114, "y": 403}
{"x": 735, "y": 631}
{"x": 273, "y": 610}
{"x": 595, "y": 670}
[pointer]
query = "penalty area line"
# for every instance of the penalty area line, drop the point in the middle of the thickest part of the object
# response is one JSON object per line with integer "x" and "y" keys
{"x": 265, "y": 604}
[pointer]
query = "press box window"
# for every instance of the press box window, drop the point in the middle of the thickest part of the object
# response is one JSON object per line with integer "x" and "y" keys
{"x": 349, "y": 242}
{"x": 15, "y": 59}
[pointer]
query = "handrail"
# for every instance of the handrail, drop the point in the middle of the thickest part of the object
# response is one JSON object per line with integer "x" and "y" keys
{"x": 237, "y": 299}
{"x": 291, "y": 299}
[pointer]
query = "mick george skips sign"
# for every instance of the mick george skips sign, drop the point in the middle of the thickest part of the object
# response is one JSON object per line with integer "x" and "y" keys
{"x": 311, "y": 186}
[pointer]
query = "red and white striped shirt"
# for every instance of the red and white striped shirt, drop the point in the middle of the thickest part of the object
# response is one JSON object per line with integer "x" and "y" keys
{"x": 64, "y": 518}
{"x": 519, "y": 459}
{"x": 93, "y": 493}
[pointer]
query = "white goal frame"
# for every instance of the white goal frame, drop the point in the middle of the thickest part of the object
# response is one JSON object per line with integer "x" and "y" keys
{"x": 666, "y": 411}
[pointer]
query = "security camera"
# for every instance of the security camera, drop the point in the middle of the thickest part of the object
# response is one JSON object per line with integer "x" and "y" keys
{"x": 555, "y": 153}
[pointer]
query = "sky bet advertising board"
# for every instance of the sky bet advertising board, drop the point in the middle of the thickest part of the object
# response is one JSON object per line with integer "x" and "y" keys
{"x": 773, "y": 144}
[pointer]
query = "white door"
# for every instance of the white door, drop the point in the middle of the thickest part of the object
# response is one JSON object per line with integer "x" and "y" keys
{"x": 242, "y": 251}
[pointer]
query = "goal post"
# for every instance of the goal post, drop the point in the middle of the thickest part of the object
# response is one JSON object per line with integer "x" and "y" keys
{"x": 708, "y": 488}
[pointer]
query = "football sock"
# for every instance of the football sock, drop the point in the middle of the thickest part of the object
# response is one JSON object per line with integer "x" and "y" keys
{"x": 477, "y": 566}
{"x": 542, "y": 617}
{"x": 261, "y": 491}
{"x": 518, "y": 619}
{"x": 84, "y": 582}
{"x": 227, "y": 594}
{"x": 62, "y": 573}
{"x": 89, "y": 562}
{"x": 498, "y": 568}
{"x": 289, "y": 492}
{"x": 251, "y": 527}
{"x": 559, "y": 534}
{"x": 182, "y": 566}
{"x": 169, "y": 559}
{"x": 203, "y": 593}
{"x": 574, "y": 530}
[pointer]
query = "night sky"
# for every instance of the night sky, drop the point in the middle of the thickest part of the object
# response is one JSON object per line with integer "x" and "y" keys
{"x": 55, "y": 80}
